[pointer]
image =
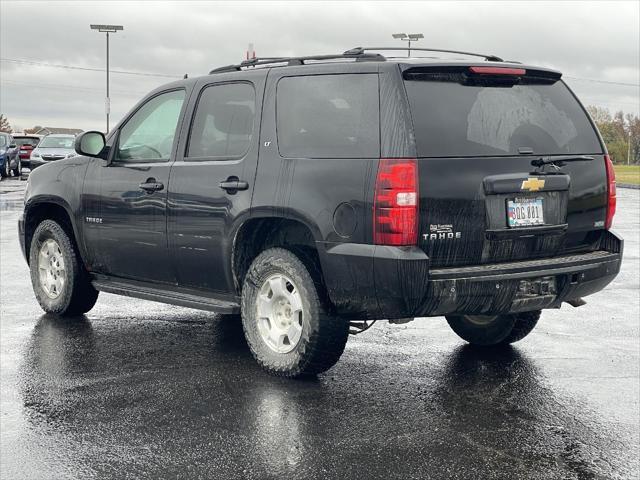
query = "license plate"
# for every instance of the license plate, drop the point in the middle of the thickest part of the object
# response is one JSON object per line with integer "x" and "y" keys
{"x": 525, "y": 212}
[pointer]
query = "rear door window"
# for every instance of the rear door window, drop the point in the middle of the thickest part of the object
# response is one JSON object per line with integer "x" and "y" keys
{"x": 223, "y": 123}
{"x": 456, "y": 119}
{"x": 328, "y": 116}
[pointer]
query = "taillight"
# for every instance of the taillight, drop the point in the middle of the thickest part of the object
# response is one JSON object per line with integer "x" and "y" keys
{"x": 611, "y": 192}
{"x": 395, "y": 205}
{"x": 497, "y": 71}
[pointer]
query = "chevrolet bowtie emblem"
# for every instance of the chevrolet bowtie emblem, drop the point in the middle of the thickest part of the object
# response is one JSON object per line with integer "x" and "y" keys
{"x": 532, "y": 184}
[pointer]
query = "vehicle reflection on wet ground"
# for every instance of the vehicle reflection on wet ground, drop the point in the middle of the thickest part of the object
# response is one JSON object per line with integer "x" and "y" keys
{"x": 12, "y": 193}
{"x": 136, "y": 389}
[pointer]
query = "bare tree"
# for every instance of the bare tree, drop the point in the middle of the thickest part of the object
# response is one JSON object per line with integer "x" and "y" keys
{"x": 33, "y": 130}
{"x": 4, "y": 124}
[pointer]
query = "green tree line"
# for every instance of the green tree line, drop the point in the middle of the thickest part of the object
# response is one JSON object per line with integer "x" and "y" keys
{"x": 619, "y": 132}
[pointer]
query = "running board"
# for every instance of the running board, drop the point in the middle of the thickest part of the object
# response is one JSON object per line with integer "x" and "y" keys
{"x": 180, "y": 297}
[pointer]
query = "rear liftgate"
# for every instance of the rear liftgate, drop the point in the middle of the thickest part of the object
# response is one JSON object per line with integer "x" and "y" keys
{"x": 497, "y": 183}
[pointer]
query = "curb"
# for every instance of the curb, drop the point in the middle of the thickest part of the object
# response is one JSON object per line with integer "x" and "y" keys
{"x": 628, "y": 185}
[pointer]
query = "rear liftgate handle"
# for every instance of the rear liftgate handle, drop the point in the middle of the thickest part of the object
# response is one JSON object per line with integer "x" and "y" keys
{"x": 233, "y": 184}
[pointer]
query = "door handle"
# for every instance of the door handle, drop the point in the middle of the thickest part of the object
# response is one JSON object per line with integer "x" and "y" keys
{"x": 151, "y": 185}
{"x": 233, "y": 184}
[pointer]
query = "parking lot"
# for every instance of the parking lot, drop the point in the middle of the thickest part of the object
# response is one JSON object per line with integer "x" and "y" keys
{"x": 139, "y": 389}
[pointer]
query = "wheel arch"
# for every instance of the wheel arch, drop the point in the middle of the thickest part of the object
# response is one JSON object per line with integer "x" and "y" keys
{"x": 43, "y": 208}
{"x": 258, "y": 233}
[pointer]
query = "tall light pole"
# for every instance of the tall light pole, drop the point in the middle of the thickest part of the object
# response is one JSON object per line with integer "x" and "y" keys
{"x": 107, "y": 29}
{"x": 412, "y": 37}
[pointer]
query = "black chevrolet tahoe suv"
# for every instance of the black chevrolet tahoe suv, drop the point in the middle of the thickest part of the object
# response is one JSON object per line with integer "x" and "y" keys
{"x": 313, "y": 195}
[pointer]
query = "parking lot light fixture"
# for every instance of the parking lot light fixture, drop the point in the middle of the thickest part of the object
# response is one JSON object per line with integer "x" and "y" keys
{"x": 412, "y": 37}
{"x": 107, "y": 29}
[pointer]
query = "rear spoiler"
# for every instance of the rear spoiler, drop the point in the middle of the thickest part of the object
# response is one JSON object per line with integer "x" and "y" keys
{"x": 480, "y": 74}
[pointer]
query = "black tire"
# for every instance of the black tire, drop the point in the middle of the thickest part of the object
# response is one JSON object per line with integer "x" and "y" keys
{"x": 5, "y": 171}
{"x": 17, "y": 172}
{"x": 493, "y": 330}
{"x": 323, "y": 337}
{"x": 77, "y": 296}
{"x": 524, "y": 324}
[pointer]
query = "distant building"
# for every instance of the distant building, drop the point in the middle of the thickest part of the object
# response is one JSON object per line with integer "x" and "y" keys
{"x": 50, "y": 130}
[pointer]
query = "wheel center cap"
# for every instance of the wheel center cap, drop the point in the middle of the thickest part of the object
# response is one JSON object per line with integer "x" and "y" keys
{"x": 283, "y": 312}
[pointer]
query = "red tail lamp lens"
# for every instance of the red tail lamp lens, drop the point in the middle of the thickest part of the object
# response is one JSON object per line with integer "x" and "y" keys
{"x": 497, "y": 71}
{"x": 395, "y": 211}
{"x": 611, "y": 192}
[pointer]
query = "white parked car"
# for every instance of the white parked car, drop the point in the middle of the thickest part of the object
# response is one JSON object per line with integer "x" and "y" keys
{"x": 53, "y": 147}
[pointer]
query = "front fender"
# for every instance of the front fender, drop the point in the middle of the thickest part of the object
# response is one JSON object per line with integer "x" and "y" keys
{"x": 60, "y": 184}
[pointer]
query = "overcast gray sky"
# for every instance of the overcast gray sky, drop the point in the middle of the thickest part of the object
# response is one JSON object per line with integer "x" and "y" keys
{"x": 590, "y": 42}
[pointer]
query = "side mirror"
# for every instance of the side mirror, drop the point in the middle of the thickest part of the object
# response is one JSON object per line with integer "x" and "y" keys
{"x": 91, "y": 144}
{"x": 13, "y": 145}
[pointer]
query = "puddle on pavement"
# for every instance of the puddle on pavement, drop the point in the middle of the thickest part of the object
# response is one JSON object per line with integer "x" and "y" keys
{"x": 11, "y": 205}
{"x": 12, "y": 194}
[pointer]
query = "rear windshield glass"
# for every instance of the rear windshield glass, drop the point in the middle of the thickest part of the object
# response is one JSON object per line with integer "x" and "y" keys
{"x": 453, "y": 119}
{"x": 20, "y": 141}
{"x": 328, "y": 116}
{"x": 57, "y": 142}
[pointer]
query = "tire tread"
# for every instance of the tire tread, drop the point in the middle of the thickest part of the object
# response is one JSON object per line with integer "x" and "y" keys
{"x": 525, "y": 323}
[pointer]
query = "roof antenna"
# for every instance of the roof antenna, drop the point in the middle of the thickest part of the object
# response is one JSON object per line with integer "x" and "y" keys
{"x": 186, "y": 76}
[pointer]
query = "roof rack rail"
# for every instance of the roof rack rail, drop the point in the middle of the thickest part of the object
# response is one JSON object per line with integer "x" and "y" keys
{"x": 253, "y": 62}
{"x": 362, "y": 50}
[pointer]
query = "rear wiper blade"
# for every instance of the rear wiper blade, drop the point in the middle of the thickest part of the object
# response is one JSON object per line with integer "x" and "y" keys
{"x": 559, "y": 160}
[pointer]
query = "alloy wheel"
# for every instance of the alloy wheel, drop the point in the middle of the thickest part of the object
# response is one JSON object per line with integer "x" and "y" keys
{"x": 51, "y": 269}
{"x": 280, "y": 313}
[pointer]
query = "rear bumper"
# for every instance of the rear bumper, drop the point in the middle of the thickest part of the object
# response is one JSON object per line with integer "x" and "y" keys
{"x": 496, "y": 288}
{"x": 368, "y": 281}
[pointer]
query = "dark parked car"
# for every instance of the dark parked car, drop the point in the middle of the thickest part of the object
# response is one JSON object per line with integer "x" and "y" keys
{"x": 26, "y": 144}
{"x": 313, "y": 195}
{"x": 9, "y": 159}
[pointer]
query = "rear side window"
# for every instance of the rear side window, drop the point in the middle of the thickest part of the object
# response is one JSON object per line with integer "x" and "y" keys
{"x": 454, "y": 119}
{"x": 328, "y": 116}
{"x": 223, "y": 123}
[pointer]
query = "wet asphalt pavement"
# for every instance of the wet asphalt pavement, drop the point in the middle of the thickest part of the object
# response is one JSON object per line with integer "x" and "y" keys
{"x": 142, "y": 390}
